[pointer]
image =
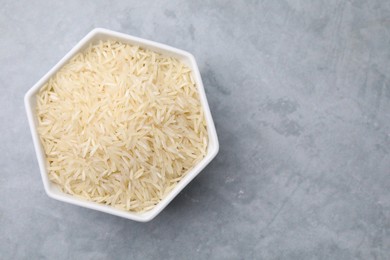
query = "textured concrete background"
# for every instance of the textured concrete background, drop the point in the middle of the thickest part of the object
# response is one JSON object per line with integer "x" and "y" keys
{"x": 300, "y": 93}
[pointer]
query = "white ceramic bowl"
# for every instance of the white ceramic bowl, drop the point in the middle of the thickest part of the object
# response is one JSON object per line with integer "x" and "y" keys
{"x": 103, "y": 34}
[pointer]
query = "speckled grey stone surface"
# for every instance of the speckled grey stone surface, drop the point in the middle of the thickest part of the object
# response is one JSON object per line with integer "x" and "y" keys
{"x": 300, "y": 94}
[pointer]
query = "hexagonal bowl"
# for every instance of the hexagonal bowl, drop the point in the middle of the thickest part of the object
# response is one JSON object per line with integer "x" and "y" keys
{"x": 95, "y": 35}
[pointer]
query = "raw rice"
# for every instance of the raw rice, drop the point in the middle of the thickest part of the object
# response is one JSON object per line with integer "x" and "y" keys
{"x": 121, "y": 125}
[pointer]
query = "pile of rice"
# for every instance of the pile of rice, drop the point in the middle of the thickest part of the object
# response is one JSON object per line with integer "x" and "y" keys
{"x": 121, "y": 125}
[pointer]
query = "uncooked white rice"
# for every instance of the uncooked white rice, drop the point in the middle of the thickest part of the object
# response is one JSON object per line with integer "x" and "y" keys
{"x": 121, "y": 125}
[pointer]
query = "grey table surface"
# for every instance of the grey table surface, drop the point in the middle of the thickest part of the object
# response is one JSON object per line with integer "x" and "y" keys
{"x": 300, "y": 94}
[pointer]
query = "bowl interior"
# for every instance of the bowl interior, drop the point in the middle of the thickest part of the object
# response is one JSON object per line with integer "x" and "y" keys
{"x": 93, "y": 37}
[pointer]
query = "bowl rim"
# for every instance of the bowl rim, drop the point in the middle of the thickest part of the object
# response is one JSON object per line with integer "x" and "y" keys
{"x": 212, "y": 134}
